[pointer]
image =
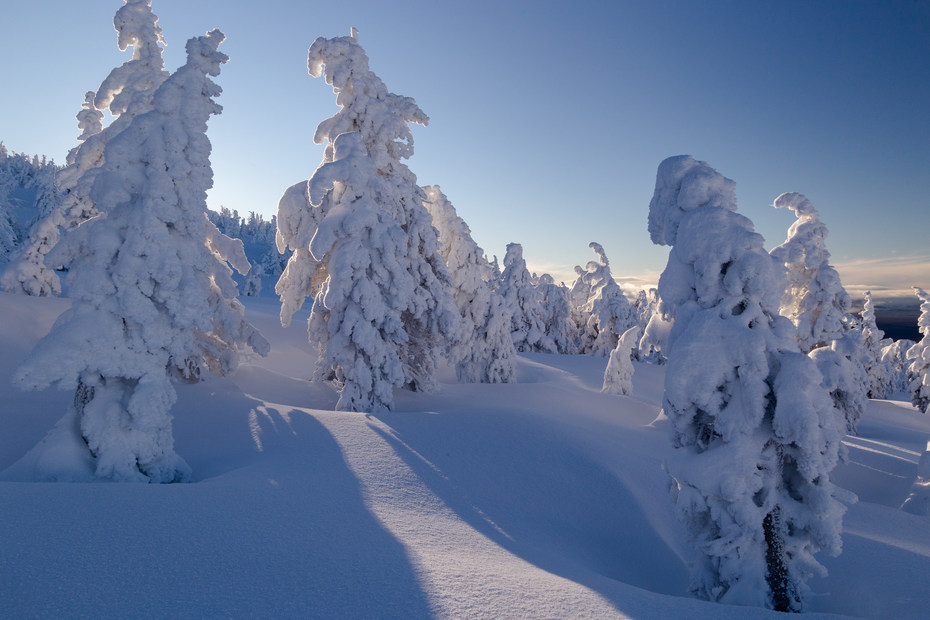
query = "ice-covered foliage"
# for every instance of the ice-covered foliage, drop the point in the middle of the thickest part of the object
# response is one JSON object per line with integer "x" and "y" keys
{"x": 484, "y": 353}
{"x": 618, "y": 378}
{"x": 557, "y": 313}
{"x": 27, "y": 193}
{"x": 363, "y": 242}
{"x": 606, "y": 312}
{"x": 878, "y": 372}
{"x": 258, "y": 237}
{"x": 127, "y": 91}
{"x": 919, "y": 356}
{"x": 814, "y": 298}
{"x": 844, "y": 377}
{"x": 894, "y": 356}
{"x": 756, "y": 434}
{"x": 524, "y": 304}
{"x": 654, "y": 326}
{"x": 153, "y": 299}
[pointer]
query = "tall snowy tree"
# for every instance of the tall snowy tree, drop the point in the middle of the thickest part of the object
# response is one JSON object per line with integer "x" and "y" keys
{"x": 606, "y": 312}
{"x": 127, "y": 91}
{"x": 756, "y": 434}
{"x": 818, "y": 305}
{"x": 153, "y": 297}
{"x": 524, "y": 304}
{"x": 557, "y": 314}
{"x": 484, "y": 352}
{"x": 919, "y": 356}
{"x": 383, "y": 308}
{"x": 878, "y": 372}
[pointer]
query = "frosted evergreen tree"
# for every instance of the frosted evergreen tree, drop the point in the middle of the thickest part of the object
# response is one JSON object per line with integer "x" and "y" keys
{"x": 383, "y": 307}
{"x": 606, "y": 313}
{"x": 524, "y": 304}
{"x": 654, "y": 342}
{"x": 894, "y": 356}
{"x": 755, "y": 434}
{"x": 484, "y": 352}
{"x": 876, "y": 369}
{"x": 153, "y": 297}
{"x": 618, "y": 378}
{"x": 919, "y": 356}
{"x": 557, "y": 313}
{"x": 818, "y": 305}
{"x": 127, "y": 91}
{"x": 814, "y": 298}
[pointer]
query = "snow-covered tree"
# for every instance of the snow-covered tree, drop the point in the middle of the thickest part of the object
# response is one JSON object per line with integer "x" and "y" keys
{"x": 27, "y": 192}
{"x": 127, "y": 91}
{"x": 919, "y": 356}
{"x": 363, "y": 242}
{"x": 484, "y": 352}
{"x": 606, "y": 312}
{"x": 876, "y": 369}
{"x": 153, "y": 299}
{"x": 755, "y": 432}
{"x": 618, "y": 378}
{"x": 814, "y": 299}
{"x": 894, "y": 356}
{"x": 557, "y": 313}
{"x": 524, "y": 304}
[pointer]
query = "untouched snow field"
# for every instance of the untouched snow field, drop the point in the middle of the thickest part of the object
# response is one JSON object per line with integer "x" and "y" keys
{"x": 540, "y": 499}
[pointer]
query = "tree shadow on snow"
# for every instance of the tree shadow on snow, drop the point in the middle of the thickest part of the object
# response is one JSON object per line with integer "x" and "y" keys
{"x": 517, "y": 482}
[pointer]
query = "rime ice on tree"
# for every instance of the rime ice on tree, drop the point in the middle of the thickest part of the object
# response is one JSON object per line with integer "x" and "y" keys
{"x": 877, "y": 370}
{"x": 605, "y": 312}
{"x": 756, "y": 434}
{"x": 127, "y": 91}
{"x": 153, "y": 297}
{"x": 618, "y": 378}
{"x": 484, "y": 353}
{"x": 919, "y": 356}
{"x": 364, "y": 245}
{"x": 524, "y": 304}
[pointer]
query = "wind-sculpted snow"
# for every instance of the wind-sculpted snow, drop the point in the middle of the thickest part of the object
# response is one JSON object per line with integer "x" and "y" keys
{"x": 539, "y": 498}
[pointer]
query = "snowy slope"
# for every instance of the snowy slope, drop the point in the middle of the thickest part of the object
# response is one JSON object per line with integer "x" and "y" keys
{"x": 539, "y": 499}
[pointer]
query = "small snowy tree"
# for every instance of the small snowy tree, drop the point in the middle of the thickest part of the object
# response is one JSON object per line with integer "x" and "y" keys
{"x": 363, "y": 242}
{"x": 894, "y": 356}
{"x": 484, "y": 353}
{"x": 618, "y": 378}
{"x": 756, "y": 435}
{"x": 557, "y": 314}
{"x": 876, "y": 369}
{"x": 127, "y": 91}
{"x": 919, "y": 356}
{"x": 153, "y": 299}
{"x": 524, "y": 304}
{"x": 606, "y": 312}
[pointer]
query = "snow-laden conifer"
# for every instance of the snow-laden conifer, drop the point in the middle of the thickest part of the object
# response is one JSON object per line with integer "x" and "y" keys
{"x": 919, "y": 356}
{"x": 606, "y": 312}
{"x": 524, "y": 304}
{"x": 383, "y": 308}
{"x": 557, "y": 313}
{"x": 618, "y": 378}
{"x": 127, "y": 91}
{"x": 153, "y": 297}
{"x": 756, "y": 434}
{"x": 894, "y": 356}
{"x": 484, "y": 352}
{"x": 876, "y": 369}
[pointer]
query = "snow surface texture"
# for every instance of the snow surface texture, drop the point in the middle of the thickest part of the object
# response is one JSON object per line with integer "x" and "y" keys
{"x": 542, "y": 498}
{"x": 383, "y": 311}
{"x": 153, "y": 297}
{"x": 756, "y": 434}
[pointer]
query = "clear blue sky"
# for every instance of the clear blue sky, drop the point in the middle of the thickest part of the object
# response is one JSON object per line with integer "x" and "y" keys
{"x": 548, "y": 119}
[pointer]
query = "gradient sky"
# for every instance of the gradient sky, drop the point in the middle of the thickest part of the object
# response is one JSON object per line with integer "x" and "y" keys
{"x": 548, "y": 120}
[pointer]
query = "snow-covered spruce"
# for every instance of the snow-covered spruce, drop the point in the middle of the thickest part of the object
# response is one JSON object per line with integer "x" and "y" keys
{"x": 153, "y": 299}
{"x": 606, "y": 313}
{"x": 27, "y": 193}
{"x": 894, "y": 356}
{"x": 618, "y": 378}
{"x": 919, "y": 356}
{"x": 756, "y": 434}
{"x": 878, "y": 372}
{"x": 524, "y": 304}
{"x": 364, "y": 245}
{"x": 557, "y": 314}
{"x": 656, "y": 330}
{"x": 127, "y": 91}
{"x": 818, "y": 305}
{"x": 484, "y": 352}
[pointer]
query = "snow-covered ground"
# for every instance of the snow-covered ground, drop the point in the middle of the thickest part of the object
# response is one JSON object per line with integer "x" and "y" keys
{"x": 539, "y": 499}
